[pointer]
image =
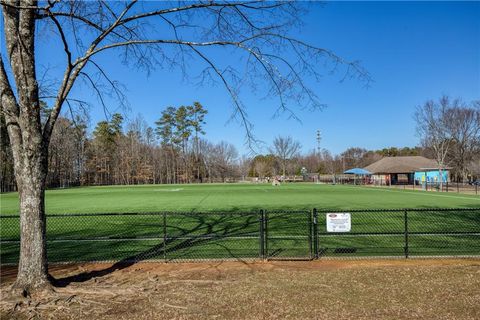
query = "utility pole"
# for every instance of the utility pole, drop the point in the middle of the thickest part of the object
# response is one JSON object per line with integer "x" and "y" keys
{"x": 319, "y": 138}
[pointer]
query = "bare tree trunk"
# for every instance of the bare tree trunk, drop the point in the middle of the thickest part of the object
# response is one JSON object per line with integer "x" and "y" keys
{"x": 30, "y": 156}
{"x": 32, "y": 269}
{"x": 440, "y": 172}
{"x": 29, "y": 145}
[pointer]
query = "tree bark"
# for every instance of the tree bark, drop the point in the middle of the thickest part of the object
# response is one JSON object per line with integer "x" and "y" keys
{"x": 29, "y": 146}
{"x": 33, "y": 268}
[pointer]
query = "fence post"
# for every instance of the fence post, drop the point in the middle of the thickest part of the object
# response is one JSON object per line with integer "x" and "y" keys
{"x": 262, "y": 234}
{"x": 310, "y": 234}
{"x": 165, "y": 237}
{"x": 406, "y": 233}
{"x": 315, "y": 232}
{"x": 265, "y": 237}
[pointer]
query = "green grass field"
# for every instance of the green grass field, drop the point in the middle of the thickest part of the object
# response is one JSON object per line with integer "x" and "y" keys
{"x": 222, "y": 231}
{"x": 236, "y": 197}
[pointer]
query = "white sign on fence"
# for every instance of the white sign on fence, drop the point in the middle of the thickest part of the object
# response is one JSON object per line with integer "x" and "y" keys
{"x": 339, "y": 222}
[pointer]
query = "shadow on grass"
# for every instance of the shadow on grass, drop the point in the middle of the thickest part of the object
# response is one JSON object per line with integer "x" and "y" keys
{"x": 236, "y": 236}
{"x": 206, "y": 229}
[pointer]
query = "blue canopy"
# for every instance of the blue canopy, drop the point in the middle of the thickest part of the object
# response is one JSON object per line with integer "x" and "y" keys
{"x": 358, "y": 171}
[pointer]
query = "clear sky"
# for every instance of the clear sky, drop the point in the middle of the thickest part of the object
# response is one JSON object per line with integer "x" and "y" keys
{"x": 414, "y": 51}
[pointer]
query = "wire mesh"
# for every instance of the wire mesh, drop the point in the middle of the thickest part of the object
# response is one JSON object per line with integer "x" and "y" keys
{"x": 288, "y": 235}
{"x": 404, "y": 232}
{"x": 444, "y": 232}
{"x": 273, "y": 234}
{"x": 379, "y": 233}
{"x": 193, "y": 236}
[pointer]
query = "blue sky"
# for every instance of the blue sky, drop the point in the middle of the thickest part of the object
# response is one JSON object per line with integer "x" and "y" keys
{"x": 414, "y": 51}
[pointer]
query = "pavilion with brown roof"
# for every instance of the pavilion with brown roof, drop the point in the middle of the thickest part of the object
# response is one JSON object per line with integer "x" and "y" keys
{"x": 406, "y": 169}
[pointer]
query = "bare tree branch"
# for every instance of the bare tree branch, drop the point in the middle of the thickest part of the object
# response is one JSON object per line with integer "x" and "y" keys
{"x": 64, "y": 39}
{"x": 238, "y": 107}
{"x": 97, "y": 91}
{"x": 231, "y": 17}
{"x": 8, "y": 101}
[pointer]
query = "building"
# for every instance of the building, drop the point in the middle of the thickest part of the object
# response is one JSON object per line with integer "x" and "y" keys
{"x": 406, "y": 170}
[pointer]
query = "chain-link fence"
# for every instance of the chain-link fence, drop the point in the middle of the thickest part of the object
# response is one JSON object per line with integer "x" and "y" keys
{"x": 404, "y": 233}
{"x": 472, "y": 188}
{"x": 262, "y": 235}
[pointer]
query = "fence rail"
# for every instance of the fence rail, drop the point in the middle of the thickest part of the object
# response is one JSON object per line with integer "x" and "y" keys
{"x": 260, "y": 235}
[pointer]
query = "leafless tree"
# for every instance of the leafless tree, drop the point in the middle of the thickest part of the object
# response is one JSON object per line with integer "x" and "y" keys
{"x": 352, "y": 157}
{"x": 244, "y": 166}
{"x": 261, "y": 168}
{"x": 225, "y": 155}
{"x": 463, "y": 125}
{"x": 474, "y": 168}
{"x": 254, "y": 32}
{"x": 433, "y": 129}
{"x": 285, "y": 148}
{"x": 330, "y": 161}
{"x": 451, "y": 130}
{"x": 311, "y": 161}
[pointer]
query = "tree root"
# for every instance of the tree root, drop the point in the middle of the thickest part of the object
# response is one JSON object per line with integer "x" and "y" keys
{"x": 26, "y": 301}
{"x": 39, "y": 289}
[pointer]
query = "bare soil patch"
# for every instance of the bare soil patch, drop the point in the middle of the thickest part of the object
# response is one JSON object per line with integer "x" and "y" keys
{"x": 353, "y": 289}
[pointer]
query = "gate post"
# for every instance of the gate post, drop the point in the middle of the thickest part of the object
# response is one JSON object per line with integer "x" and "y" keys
{"x": 315, "y": 233}
{"x": 164, "y": 237}
{"x": 310, "y": 234}
{"x": 265, "y": 237}
{"x": 262, "y": 234}
{"x": 405, "y": 217}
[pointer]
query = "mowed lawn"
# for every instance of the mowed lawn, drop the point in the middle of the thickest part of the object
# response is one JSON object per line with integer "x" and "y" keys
{"x": 236, "y": 197}
{"x": 232, "y": 228}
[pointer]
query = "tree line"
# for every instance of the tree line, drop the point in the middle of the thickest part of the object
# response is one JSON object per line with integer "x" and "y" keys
{"x": 131, "y": 152}
{"x": 120, "y": 152}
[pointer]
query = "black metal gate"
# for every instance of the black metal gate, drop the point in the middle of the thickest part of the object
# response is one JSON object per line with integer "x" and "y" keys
{"x": 288, "y": 235}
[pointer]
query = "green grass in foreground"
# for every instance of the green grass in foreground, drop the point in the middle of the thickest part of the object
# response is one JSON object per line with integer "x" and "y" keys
{"x": 230, "y": 235}
{"x": 236, "y": 197}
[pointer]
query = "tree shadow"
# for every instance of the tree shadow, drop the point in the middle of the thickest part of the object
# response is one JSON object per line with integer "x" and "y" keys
{"x": 207, "y": 229}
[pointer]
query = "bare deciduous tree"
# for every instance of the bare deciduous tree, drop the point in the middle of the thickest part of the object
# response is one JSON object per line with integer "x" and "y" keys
{"x": 463, "y": 124}
{"x": 224, "y": 156}
{"x": 260, "y": 168}
{"x": 474, "y": 168}
{"x": 244, "y": 166}
{"x": 432, "y": 129}
{"x": 451, "y": 130}
{"x": 285, "y": 148}
{"x": 254, "y": 30}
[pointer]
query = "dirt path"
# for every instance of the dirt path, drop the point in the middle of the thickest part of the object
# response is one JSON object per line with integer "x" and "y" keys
{"x": 360, "y": 289}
